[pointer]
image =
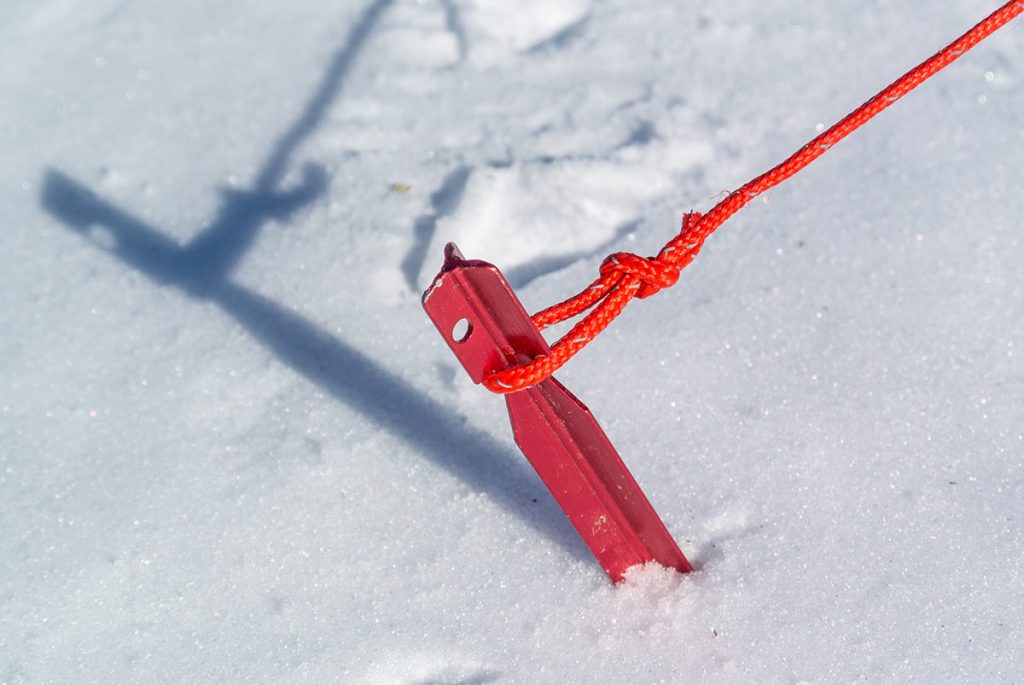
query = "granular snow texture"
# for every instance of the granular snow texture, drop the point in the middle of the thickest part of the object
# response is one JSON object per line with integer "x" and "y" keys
{"x": 234, "y": 450}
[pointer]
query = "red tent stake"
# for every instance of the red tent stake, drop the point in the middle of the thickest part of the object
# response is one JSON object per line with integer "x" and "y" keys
{"x": 487, "y": 328}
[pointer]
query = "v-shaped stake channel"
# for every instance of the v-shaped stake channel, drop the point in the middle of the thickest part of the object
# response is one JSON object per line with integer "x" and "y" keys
{"x": 487, "y": 328}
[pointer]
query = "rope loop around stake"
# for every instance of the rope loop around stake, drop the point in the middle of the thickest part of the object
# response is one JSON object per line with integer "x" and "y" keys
{"x": 625, "y": 275}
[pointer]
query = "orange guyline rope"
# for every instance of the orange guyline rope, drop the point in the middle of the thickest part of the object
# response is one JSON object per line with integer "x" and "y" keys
{"x": 625, "y": 275}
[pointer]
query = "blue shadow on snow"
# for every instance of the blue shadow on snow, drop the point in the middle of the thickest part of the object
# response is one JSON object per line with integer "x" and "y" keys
{"x": 202, "y": 269}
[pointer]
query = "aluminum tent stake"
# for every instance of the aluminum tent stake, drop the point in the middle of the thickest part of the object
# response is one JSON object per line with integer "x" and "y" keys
{"x": 487, "y": 328}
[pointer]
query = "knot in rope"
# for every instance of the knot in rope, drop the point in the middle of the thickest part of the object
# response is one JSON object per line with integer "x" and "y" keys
{"x": 652, "y": 273}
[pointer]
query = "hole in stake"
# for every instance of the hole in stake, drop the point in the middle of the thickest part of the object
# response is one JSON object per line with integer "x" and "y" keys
{"x": 461, "y": 330}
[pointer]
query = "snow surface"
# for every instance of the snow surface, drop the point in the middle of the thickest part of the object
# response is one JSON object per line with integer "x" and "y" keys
{"x": 233, "y": 449}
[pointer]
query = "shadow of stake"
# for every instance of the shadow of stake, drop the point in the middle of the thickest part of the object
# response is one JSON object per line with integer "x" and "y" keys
{"x": 339, "y": 369}
{"x": 203, "y": 268}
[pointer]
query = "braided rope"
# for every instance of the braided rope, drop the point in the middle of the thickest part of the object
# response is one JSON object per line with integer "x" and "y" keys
{"x": 624, "y": 276}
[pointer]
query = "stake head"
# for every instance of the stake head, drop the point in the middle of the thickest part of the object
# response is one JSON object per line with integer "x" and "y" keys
{"x": 480, "y": 317}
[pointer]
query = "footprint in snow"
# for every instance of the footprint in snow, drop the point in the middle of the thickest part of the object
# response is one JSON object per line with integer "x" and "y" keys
{"x": 497, "y": 30}
{"x": 535, "y": 218}
{"x": 420, "y": 36}
{"x": 484, "y": 32}
{"x": 427, "y": 670}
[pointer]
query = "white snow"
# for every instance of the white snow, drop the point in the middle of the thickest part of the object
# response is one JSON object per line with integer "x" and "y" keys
{"x": 233, "y": 449}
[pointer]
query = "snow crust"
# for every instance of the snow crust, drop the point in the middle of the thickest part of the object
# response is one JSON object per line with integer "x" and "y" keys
{"x": 233, "y": 449}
